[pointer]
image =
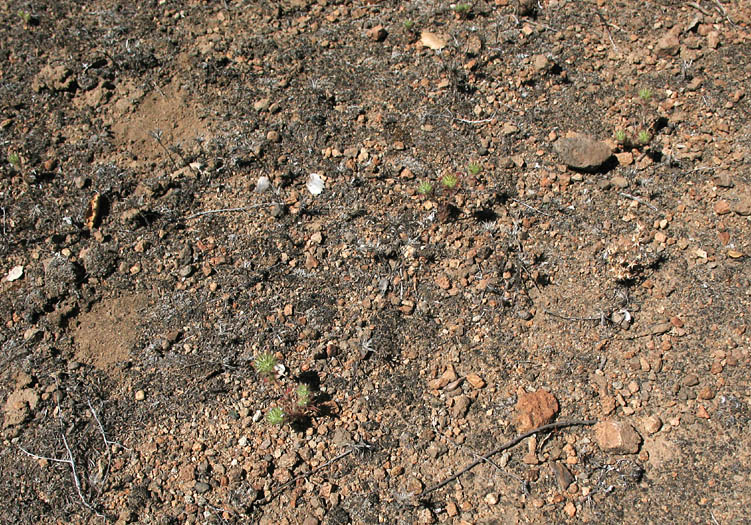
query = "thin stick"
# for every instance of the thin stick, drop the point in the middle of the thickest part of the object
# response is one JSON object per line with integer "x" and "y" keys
{"x": 639, "y": 200}
{"x": 530, "y": 207}
{"x": 282, "y": 487}
{"x": 699, "y": 8}
{"x": 610, "y": 35}
{"x": 512, "y": 443}
{"x": 107, "y": 442}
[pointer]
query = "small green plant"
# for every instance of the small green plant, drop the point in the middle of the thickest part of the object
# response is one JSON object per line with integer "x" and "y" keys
{"x": 14, "y": 159}
{"x": 265, "y": 364}
{"x": 25, "y": 16}
{"x": 296, "y": 402}
{"x": 474, "y": 168}
{"x": 449, "y": 181}
{"x": 425, "y": 188}
{"x": 303, "y": 396}
{"x": 644, "y": 137}
{"x": 620, "y": 136}
{"x": 275, "y": 416}
{"x": 645, "y": 94}
{"x": 408, "y": 25}
{"x": 462, "y": 9}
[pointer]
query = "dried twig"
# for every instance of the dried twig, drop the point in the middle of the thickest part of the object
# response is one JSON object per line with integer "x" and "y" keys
{"x": 607, "y": 28}
{"x": 509, "y": 444}
{"x": 639, "y": 200}
{"x": 352, "y": 449}
{"x": 699, "y": 8}
{"x": 70, "y": 461}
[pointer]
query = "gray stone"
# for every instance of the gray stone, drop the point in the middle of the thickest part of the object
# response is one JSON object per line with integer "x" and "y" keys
{"x": 582, "y": 152}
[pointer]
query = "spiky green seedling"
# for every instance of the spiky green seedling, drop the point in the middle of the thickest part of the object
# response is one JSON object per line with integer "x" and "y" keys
{"x": 620, "y": 136}
{"x": 474, "y": 168}
{"x": 462, "y": 9}
{"x": 644, "y": 137}
{"x": 450, "y": 181}
{"x": 303, "y": 395}
{"x": 425, "y": 188}
{"x": 265, "y": 363}
{"x": 408, "y": 25}
{"x": 645, "y": 94}
{"x": 275, "y": 416}
{"x": 14, "y": 159}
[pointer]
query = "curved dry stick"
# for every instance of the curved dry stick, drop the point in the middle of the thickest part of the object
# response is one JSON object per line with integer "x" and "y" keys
{"x": 512, "y": 443}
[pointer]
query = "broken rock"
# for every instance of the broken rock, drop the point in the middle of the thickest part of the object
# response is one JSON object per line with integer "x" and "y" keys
{"x": 617, "y": 437}
{"x": 535, "y": 409}
{"x": 582, "y": 152}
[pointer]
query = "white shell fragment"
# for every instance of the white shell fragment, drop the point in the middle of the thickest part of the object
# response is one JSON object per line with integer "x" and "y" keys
{"x": 263, "y": 184}
{"x": 15, "y": 273}
{"x": 315, "y": 184}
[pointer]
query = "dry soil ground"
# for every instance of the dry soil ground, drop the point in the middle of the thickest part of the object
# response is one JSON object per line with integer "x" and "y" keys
{"x": 452, "y": 279}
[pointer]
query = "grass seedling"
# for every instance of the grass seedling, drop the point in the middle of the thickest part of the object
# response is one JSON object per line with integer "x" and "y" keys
{"x": 14, "y": 159}
{"x": 449, "y": 181}
{"x": 25, "y": 16}
{"x": 462, "y": 9}
{"x": 474, "y": 168}
{"x": 408, "y": 25}
{"x": 620, "y": 137}
{"x": 425, "y": 188}
{"x": 645, "y": 94}
{"x": 275, "y": 416}
{"x": 644, "y": 137}
{"x": 265, "y": 364}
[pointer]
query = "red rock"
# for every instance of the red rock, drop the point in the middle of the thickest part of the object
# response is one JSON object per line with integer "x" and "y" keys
{"x": 535, "y": 409}
{"x": 722, "y": 207}
{"x": 617, "y": 437}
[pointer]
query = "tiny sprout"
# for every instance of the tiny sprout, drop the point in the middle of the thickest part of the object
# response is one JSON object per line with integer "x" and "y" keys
{"x": 450, "y": 181}
{"x": 424, "y": 188}
{"x": 25, "y": 16}
{"x": 462, "y": 9}
{"x": 14, "y": 159}
{"x": 645, "y": 94}
{"x": 644, "y": 137}
{"x": 266, "y": 364}
{"x": 474, "y": 168}
{"x": 275, "y": 416}
{"x": 303, "y": 395}
{"x": 408, "y": 25}
{"x": 620, "y": 136}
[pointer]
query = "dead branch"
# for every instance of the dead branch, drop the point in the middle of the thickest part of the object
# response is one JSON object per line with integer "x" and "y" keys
{"x": 507, "y": 445}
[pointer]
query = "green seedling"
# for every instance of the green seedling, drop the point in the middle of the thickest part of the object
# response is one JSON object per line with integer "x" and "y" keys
{"x": 276, "y": 416}
{"x": 620, "y": 136}
{"x": 303, "y": 396}
{"x": 644, "y": 137}
{"x": 408, "y": 25}
{"x": 425, "y": 188}
{"x": 474, "y": 168}
{"x": 14, "y": 159}
{"x": 645, "y": 94}
{"x": 265, "y": 364}
{"x": 25, "y": 16}
{"x": 462, "y": 9}
{"x": 449, "y": 181}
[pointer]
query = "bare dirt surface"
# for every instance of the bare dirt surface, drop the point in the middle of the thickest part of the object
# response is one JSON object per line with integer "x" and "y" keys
{"x": 523, "y": 213}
